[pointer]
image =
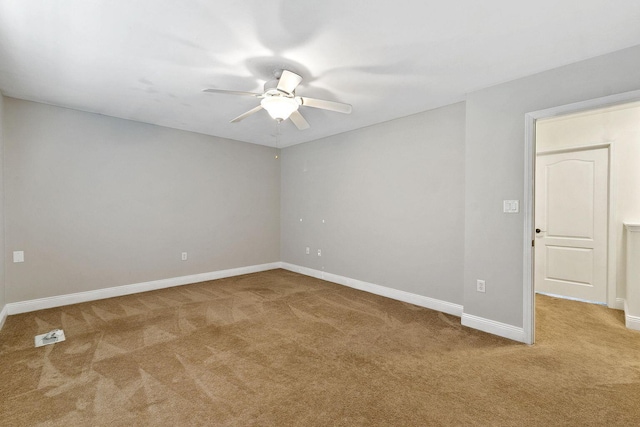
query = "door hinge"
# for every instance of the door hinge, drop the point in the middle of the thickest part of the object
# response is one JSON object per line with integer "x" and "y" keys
{"x": 533, "y": 243}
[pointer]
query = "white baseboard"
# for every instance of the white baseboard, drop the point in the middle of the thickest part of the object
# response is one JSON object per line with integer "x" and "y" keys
{"x": 422, "y": 301}
{"x": 486, "y": 325}
{"x": 117, "y": 291}
{"x": 491, "y": 326}
{"x": 618, "y": 304}
{"x": 630, "y": 321}
{"x": 3, "y": 315}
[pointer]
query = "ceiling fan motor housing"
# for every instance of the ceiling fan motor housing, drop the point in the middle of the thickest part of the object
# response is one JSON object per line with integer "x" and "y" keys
{"x": 271, "y": 87}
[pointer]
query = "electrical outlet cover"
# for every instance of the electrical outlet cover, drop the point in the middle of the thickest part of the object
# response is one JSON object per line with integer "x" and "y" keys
{"x": 481, "y": 286}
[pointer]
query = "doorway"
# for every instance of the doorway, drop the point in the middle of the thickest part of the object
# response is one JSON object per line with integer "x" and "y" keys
{"x": 608, "y": 142}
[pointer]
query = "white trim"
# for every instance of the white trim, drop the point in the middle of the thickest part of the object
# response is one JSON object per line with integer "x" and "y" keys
{"x": 612, "y": 247}
{"x": 619, "y": 304}
{"x": 486, "y": 325}
{"x": 496, "y": 328}
{"x": 61, "y": 300}
{"x": 3, "y": 315}
{"x": 528, "y": 202}
{"x": 590, "y": 104}
{"x": 631, "y": 322}
{"x": 419, "y": 300}
{"x": 528, "y": 207}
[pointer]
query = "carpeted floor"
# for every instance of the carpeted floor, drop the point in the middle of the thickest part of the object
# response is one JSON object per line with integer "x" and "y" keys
{"x": 282, "y": 349}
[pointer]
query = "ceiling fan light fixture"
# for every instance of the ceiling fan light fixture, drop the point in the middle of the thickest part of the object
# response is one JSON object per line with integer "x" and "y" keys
{"x": 279, "y": 107}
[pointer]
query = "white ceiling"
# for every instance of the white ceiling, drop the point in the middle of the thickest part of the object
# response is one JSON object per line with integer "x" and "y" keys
{"x": 149, "y": 60}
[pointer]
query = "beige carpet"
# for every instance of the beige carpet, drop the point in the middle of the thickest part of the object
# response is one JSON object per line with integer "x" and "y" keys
{"x": 281, "y": 349}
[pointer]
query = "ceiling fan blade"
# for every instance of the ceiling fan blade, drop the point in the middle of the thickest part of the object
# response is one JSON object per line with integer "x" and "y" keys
{"x": 232, "y": 92}
{"x": 326, "y": 105}
{"x": 288, "y": 81}
{"x": 247, "y": 114}
{"x": 299, "y": 121}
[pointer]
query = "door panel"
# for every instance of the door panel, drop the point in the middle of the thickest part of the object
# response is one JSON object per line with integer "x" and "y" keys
{"x": 570, "y": 199}
{"x": 571, "y": 213}
{"x": 570, "y": 265}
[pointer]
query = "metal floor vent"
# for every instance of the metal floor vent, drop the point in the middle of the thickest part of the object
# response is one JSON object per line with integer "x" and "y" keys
{"x": 51, "y": 337}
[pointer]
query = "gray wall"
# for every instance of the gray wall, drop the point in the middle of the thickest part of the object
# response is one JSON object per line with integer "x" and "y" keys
{"x": 392, "y": 198}
{"x": 98, "y": 202}
{"x": 2, "y": 250}
{"x": 495, "y": 171}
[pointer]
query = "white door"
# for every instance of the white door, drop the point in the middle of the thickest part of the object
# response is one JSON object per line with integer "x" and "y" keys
{"x": 571, "y": 224}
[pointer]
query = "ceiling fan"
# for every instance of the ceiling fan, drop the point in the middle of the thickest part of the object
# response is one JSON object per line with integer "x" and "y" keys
{"x": 280, "y": 100}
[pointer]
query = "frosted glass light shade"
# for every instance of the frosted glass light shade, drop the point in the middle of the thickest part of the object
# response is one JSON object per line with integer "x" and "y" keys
{"x": 279, "y": 107}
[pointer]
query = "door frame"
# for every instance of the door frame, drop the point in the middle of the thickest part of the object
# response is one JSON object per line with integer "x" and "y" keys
{"x": 528, "y": 294}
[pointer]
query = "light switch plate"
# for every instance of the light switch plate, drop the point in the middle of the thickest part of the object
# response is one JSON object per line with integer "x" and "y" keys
{"x": 18, "y": 256}
{"x": 511, "y": 206}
